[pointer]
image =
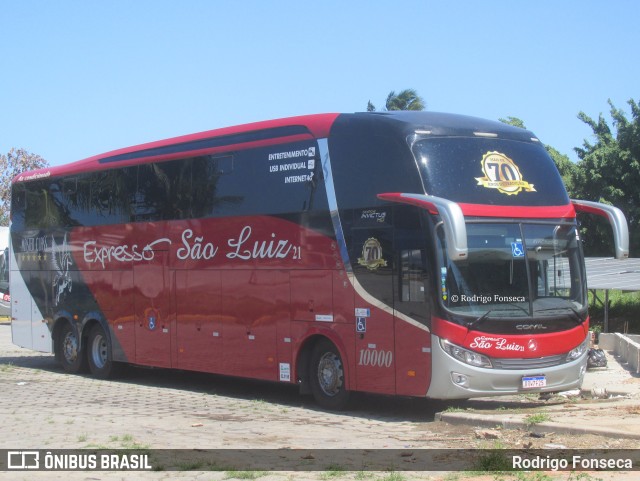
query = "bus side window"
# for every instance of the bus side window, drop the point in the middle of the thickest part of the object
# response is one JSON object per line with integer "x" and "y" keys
{"x": 109, "y": 194}
{"x": 210, "y": 175}
{"x": 150, "y": 194}
{"x": 72, "y": 199}
{"x": 222, "y": 164}
{"x": 18, "y": 205}
{"x": 69, "y": 187}
{"x": 78, "y": 202}
{"x": 41, "y": 208}
{"x": 412, "y": 288}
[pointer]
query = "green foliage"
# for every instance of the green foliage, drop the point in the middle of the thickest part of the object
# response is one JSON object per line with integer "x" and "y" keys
{"x": 624, "y": 309}
{"x": 407, "y": 99}
{"x": 515, "y": 121}
{"x": 563, "y": 163}
{"x": 566, "y": 168}
{"x": 245, "y": 474}
{"x": 493, "y": 460}
{"x": 15, "y": 162}
{"x": 537, "y": 418}
{"x": 609, "y": 172}
{"x": 334, "y": 471}
{"x": 526, "y": 476}
{"x": 394, "y": 477}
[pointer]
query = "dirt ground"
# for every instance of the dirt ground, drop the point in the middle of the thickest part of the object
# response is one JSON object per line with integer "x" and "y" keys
{"x": 43, "y": 408}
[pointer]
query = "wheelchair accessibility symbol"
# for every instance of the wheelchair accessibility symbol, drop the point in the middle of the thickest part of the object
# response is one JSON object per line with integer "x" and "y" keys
{"x": 517, "y": 250}
{"x": 361, "y": 324}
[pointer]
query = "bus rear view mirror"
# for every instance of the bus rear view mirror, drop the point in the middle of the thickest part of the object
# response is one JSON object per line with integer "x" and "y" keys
{"x": 617, "y": 220}
{"x": 452, "y": 219}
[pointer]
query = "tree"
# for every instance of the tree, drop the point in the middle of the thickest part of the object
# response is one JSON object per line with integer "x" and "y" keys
{"x": 515, "y": 121}
{"x": 12, "y": 164}
{"x": 566, "y": 168}
{"x": 609, "y": 172}
{"x": 407, "y": 99}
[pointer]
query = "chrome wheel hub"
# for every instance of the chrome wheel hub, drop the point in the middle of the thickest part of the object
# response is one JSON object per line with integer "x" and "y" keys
{"x": 330, "y": 374}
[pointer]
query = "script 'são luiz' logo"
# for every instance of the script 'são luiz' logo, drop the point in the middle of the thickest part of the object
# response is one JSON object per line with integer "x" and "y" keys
{"x": 500, "y": 172}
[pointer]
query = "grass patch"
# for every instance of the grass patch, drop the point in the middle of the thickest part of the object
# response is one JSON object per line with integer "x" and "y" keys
{"x": 535, "y": 476}
{"x": 533, "y": 419}
{"x": 244, "y": 474}
{"x": 394, "y": 477}
{"x": 493, "y": 460}
{"x": 333, "y": 471}
{"x": 6, "y": 367}
{"x": 360, "y": 475}
{"x": 451, "y": 477}
{"x": 127, "y": 441}
{"x": 582, "y": 477}
{"x": 97, "y": 446}
{"x": 454, "y": 409}
{"x": 624, "y": 311}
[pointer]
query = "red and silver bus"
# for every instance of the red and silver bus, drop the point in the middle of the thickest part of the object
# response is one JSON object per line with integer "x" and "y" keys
{"x": 408, "y": 253}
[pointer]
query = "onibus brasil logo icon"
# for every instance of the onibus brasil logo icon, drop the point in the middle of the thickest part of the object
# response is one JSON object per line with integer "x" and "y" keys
{"x": 500, "y": 172}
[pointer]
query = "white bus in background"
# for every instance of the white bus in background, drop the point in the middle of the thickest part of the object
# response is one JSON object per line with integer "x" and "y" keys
{"x": 5, "y": 303}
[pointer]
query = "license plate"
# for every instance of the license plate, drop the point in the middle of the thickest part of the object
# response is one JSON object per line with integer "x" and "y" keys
{"x": 531, "y": 382}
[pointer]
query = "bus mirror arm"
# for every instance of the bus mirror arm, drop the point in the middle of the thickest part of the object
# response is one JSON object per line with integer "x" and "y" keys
{"x": 455, "y": 229}
{"x": 617, "y": 220}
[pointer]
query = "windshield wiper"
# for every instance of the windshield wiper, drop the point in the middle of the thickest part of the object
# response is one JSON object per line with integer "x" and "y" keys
{"x": 579, "y": 320}
{"x": 479, "y": 320}
{"x": 484, "y": 316}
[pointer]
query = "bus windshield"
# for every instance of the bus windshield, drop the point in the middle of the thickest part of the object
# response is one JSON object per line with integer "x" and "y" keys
{"x": 467, "y": 170}
{"x": 515, "y": 270}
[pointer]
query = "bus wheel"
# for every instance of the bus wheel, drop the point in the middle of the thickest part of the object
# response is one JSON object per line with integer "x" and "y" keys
{"x": 99, "y": 354}
{"x": 69, "y": 352}
{"x": 327, "y": 377}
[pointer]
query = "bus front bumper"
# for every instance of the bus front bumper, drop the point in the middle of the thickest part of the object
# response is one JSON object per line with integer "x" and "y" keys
{"x": 453, "y": 379}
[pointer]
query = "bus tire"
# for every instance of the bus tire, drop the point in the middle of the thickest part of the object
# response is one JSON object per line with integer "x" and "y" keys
{"x": 100, "y": 354}
{"x": 70, "y": 353}
{"x": 327, "y": 377}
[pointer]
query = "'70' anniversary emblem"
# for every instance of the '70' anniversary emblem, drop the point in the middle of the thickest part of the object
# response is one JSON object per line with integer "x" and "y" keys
{"x": 503, "y": 174}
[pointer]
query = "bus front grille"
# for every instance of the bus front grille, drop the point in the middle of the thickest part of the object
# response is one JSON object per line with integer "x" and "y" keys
{"x": 529, "y": 364}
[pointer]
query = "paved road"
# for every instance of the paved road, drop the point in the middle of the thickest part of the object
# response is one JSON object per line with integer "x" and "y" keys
{"x": 159, "y": 408}
{"x": 43, "y": 408}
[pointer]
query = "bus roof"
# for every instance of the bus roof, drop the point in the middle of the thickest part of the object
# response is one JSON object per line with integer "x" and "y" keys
{"x": 202, "y": 143}
{"x": 281, "y": 130}
{"x": 438, "y": 124}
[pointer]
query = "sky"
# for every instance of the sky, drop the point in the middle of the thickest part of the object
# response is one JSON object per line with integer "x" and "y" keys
{"x": 80, "y": 78}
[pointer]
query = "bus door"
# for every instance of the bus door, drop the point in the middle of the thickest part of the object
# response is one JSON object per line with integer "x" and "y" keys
{"x": 372, "y": 262}
{"x": 154, "y": 311}
{"x": 412, "y": 358}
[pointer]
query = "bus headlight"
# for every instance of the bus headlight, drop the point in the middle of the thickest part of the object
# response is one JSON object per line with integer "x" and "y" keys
{"x": 576, "y": 352}
{"x": 464, "y": 355}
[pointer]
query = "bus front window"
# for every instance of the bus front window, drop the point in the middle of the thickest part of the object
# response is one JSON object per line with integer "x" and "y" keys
{"x": 514, "y": 270}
